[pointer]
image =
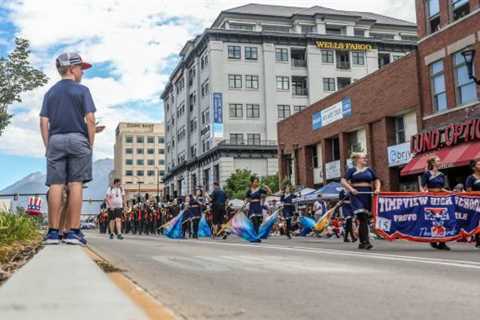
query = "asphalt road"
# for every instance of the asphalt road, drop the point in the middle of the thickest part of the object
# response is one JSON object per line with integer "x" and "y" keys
{"x": 300, "y": 278}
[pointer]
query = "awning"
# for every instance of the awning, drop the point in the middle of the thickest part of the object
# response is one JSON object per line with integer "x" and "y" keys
{"x": 456, "y": 156}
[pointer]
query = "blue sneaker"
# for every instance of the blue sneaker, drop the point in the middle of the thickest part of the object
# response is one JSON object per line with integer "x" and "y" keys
{"x": 81, "y": 237}
{"x": 51, "y": 237}
{"x": 74, "y": 238}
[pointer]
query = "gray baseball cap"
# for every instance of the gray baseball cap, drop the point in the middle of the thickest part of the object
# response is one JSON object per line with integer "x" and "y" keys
{"x": 71, "y": 59}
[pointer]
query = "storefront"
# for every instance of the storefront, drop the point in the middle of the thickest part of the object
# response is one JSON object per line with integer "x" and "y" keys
{"x": 456, "y": 145}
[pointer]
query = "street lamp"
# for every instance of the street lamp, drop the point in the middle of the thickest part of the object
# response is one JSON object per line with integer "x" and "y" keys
{"x": 469, "y": 56}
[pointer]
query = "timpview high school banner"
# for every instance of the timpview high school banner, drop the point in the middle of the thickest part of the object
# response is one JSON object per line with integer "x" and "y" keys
{"x": 426, "y": 217}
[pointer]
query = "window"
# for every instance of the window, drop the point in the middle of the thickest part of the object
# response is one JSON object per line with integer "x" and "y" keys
{"x": 315, "y": 157}
{"x": 281, "y": 54}
{"x": 194, "y": 180}
{"x": 140, "y": 173}
{"x": 433, "y": 15}
{"x": 466, "y": 89}
{"x": 251, "y": 53}
{"x": 383, "y": 59}
{"x": 128, "y": 173}
{"x": 251, "y": 82}
{"x": 193, "y": 150}
{"x": 193, "y": 125}
{"x": 140, "y": 162}
{"x": 128, "y": 139}
{"x": 161, "y": 173}
{"x": 335, "y": 30}
{"x": 216, "y": 172}
{"x": 382, "y": 36}
{"x": 151, "y": 151}
{"x": 460, "y": 8}
{"x": 298, "y": 58}
{"x": 253, "y": 111}
{"x": 140, "y": 151}
{"x": 409, "y": 38}
{"x": 150, "y": 139}
{"x": 268, "y": 28}
{"x": 234, "y": 52}
{"x": 343, "y": 59}
{"x": 353, "y": 144}
{"x": 236, "y": 138}
{"x": 283, "y": 111}
{"x": 205, "y": 88}
{"x": 140, "y": 139}
{"x": 327, "y": 56}
{"x": 335, "y": 148}
{"x": 399, "y": 130}
{"x": 150, "y": 162}
{"x": 343, "y": 82}
{"x": 161, "y": 140}
{"x": 358, "y": 58}
{"x": 396, "y": 57}
{"x": 206, "y": 179}
{"x": 192, "y": 100}
{"x": 359, "y": 32}
{"x": 235, "y": 81}
{"x": 191, "y": 76}
{"x": 298, "y": 108}
{"x": 439, "y": 94}
{"x": 253, "y": 138}
{"x": 283, "y": 83}
{"x": 203, "y": 61}
{"x": 307, "y": 29}
{"x": 151, "y": 173}
{"x": 161, "y": 151}
{"x": 129, "y": 151}
{"x": 236, "y": 111}
{"x": 299, "y": 86}
{"x": 328, "y": 84}
{"x": 242, "y": 26}
{"x": 161, "y": 162}
{"x": 129, "y": 162}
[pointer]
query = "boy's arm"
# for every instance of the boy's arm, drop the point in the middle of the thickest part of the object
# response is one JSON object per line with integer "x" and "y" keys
{"x": 44, "y": 130}
{"x": 91, "y": 126}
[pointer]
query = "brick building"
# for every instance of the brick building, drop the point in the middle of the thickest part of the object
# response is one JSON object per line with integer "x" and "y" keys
{"x": 422, "y": 104}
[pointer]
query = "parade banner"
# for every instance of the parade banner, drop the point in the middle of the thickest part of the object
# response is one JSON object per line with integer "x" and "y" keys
{"x": 267, "y": 225}
{"x": 426, "y": 217}
{"x": 204, "y": 230}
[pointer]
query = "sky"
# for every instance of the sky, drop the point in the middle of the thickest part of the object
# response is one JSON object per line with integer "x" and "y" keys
{"x": 133, "y": 46}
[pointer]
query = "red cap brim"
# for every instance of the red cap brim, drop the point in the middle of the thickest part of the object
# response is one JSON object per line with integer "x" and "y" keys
{"x": 86, "y": 65}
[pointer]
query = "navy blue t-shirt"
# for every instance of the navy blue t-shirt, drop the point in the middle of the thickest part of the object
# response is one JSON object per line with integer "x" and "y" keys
{"x": 218, "y": 197}
{"x": 65, "y": 105}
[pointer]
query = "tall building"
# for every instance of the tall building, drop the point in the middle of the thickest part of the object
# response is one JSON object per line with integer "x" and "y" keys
{"x": 139, "y": 159}
{"x": 259, "y": 64}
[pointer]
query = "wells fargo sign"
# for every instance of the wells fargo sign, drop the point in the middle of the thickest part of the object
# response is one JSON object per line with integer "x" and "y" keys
{"x": 449, "y": 136}
{"x": 344, "y": 45}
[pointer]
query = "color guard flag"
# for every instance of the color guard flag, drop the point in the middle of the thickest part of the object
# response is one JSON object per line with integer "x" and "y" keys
{"x": 241, "y": 226}
{"x": 204, "y": 230}
{"x": 308, "y": 225}
{"x": 324, "y": 220}
{"x": 173, "y": 228}
{"x": 267, "y": 225}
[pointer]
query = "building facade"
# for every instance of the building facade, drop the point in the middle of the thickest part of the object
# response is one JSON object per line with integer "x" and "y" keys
{"x": 421, "y": 105}
{"x": 450, "y": 108}
{"x": 139, "y": 158}
{"x": 258, "y": 65}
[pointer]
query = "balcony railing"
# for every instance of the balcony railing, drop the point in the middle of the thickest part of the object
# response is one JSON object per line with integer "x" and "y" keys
{"x": 248, "y": 143}
{"x": 299, "y": 63}
{"x": 343, "y": 65}
{"x": 300, "y": 91}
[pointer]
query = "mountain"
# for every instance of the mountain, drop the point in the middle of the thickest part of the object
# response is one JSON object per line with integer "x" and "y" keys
{"x": 35, "y": 183}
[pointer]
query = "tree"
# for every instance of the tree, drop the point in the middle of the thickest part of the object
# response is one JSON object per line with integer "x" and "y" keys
{"x": 272, "y": 182}
{"x": 17, "y": 75}
{"x": 237, "y": 184}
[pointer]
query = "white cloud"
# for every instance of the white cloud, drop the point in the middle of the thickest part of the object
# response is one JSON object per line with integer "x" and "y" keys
{"x": 134, "y": 38}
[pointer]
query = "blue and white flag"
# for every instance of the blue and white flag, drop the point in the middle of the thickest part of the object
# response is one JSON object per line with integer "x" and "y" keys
{"x": 173, "y": 229}
{"x": 204, "y": 230}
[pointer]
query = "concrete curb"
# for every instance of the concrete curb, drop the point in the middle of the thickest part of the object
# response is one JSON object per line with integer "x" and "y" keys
{"x": 62, "y": 282}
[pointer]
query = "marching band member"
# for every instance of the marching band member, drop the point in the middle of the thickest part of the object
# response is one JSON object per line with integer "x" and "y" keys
{"x": 360, "y": 181}
{"x": 254, "y": 197}
{"x": 472, "y": 184}
{"x": 288, "y": 209}
{"x": 434, "y": 181}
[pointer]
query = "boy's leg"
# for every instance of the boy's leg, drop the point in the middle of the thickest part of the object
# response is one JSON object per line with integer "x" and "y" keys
{"x": 54, "y": 205}
{"x": 75, "y": 198}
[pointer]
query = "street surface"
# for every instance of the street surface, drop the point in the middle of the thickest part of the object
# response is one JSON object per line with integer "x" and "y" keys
{"x": 300, "y": 278}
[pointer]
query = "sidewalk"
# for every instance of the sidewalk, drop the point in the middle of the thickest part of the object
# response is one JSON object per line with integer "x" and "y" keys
{"x": 62, "y": 282}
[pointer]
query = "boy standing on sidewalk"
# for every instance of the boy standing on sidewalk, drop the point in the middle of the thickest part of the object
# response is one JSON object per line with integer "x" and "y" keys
{"x": 67, "y": 124}
{"x": 115, "y": 200}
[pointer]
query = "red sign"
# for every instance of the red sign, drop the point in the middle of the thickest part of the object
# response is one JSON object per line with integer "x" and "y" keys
{"x": 452, "y": 135}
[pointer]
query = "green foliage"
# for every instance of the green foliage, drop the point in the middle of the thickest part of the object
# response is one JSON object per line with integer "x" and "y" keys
{"x": 17, "y": 76}
{"x": 237, "y": 184}
{"x": 273, "y": 182}
{"x": 17, "y": 228}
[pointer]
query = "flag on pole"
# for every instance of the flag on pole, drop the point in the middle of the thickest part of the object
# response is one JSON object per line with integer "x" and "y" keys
{"x": 241, "y": 226}
{"x": 324, "y": 220}
{"x": 204, "y": 230}
{"x": 308, "y": 225}
{"x": 173, "y": 228}
{"x": 267, "y": 225}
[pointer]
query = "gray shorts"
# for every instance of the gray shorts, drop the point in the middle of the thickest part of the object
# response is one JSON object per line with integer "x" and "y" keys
{"x": 69, "y": 159}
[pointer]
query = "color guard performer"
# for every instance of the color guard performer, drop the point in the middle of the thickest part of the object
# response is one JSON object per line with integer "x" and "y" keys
{"x": 360, "y": 181}
{"x": 472, "y": 184}
{"x": 434, "y": 181}
{"x": 347, "y": 214}
{"x": 288, "y": 209}
{"x": 254, "y": 197}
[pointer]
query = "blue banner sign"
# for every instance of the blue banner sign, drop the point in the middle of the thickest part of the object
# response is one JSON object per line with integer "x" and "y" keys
{"x": 426, "y": 217}
{"x": 217, "y": 127}
{"x": 338, "y": 111}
